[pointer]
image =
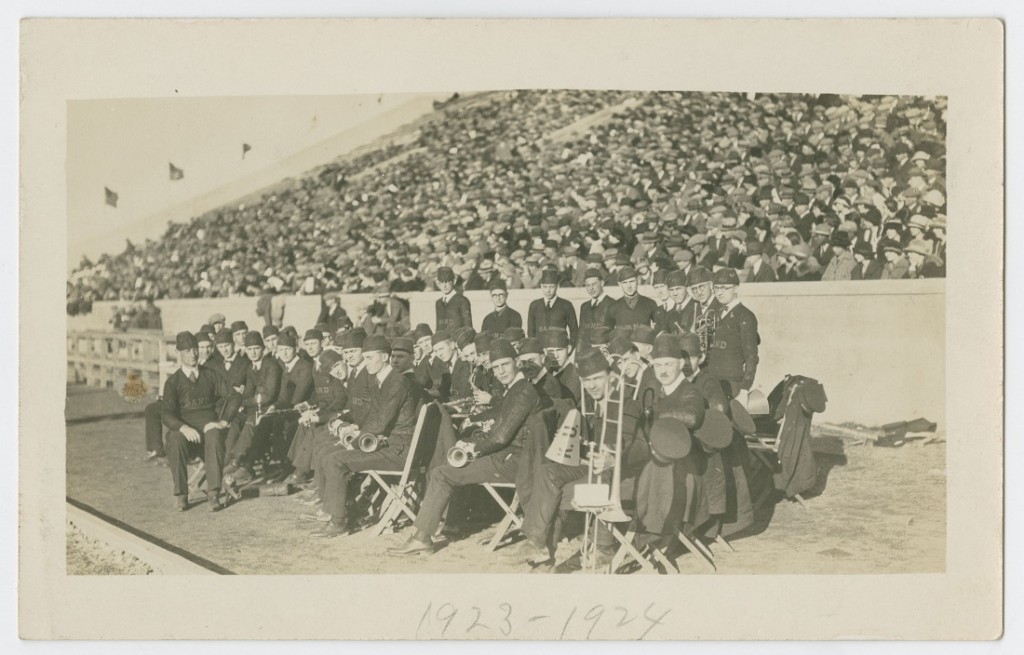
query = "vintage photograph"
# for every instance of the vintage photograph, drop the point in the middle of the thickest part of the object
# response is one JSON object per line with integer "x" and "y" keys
{"x": 511, "y": 329}
{"x": 540, "y": 330}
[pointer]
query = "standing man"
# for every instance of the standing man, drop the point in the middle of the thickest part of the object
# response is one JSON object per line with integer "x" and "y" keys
{"x": 190, "y": 411}
{"x": 503, "y": 316}
{"x": 683, "y": 317}
{"x": 593, "y": 311}
{"x": 666, "y": 304}
{"x": 551, "y": 312}
{"x": 707, "y": 308}
{"x": 497, "y": 453}
{"x": 453, "y": 310}
{"x": 732, "y": 355}
{"x": 631, "y": 309}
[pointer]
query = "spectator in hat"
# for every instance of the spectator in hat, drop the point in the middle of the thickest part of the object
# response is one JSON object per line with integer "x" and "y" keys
{"x": 821, "y": 248}
{"x": 866, "y": 267}
{"x": 896, "y": 266}
{"x": 938, "y": 234}
{"x": 840, "y": 267}
{"x": 551, "y": 312}
{"x": 482, "y": 276}
{"x": 632, "y": 308}
{"x": 757, "y": 267}
{"x": 923, "y": 264}
{"x": 453, "y": 310}
{"x": 503, "y": 316}
{"x": 333, "y": 314}
{"x": 918, "y": 229}
{"x": 733, "y": 352}
{"x": 387, "y": 316}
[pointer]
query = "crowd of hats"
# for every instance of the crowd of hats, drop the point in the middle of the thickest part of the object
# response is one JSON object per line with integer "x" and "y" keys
{"x": 495, "y": 185}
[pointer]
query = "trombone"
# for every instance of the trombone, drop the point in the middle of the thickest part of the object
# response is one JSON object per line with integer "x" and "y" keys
{"x": 602, "y": 502}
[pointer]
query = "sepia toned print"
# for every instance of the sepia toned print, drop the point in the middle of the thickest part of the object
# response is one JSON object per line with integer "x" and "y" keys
{"x": 586, "y": 337}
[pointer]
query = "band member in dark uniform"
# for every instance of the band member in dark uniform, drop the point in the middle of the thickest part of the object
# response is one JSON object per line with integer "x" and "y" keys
{"x": 503, "y": 316}
{"x": 551, "y": 312}
{"x": 198, "y": 406}
{"x": 453, "y": 310}
{"x": 632, "y": 308}
{"x": 732, "y": 356}
{"x": 593, "y": 311}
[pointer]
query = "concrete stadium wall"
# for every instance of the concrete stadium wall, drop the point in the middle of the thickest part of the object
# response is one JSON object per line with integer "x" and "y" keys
{"x": 878, "y": 347}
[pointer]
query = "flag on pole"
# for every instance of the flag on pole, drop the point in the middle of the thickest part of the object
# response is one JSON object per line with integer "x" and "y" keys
{"x": 176, "y": 173}
{"x": 111, "y": 197}
{"x": 245, "y": 148}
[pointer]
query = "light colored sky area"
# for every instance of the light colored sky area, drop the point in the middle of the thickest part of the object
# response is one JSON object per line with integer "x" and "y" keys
{"x": 126, "y": 145}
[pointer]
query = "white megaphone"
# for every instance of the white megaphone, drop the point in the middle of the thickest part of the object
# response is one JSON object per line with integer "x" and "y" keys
{"x": 565, "y": 447}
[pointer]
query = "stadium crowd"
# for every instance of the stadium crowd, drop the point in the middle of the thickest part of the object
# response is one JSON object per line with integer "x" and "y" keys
{"x": 787, "y": 187}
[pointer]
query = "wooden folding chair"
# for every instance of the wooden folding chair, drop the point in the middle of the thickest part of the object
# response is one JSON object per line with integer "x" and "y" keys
{"x": 512, "y": 519}
{"x": 402, "y": 498}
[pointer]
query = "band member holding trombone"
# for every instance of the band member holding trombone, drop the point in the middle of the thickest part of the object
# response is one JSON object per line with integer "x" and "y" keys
{"x": 492, "y": 456}
{"x": 384, "y": 437}
{"x": 555, "y": 482}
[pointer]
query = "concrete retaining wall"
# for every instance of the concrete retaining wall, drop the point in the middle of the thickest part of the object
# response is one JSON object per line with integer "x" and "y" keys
{"x": 878, "y": 347}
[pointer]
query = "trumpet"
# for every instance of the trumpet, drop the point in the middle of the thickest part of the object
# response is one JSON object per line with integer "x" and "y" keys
{"x": 371, "y": 443}
{"x": 346, "y": 433}
{"x": 459, "y": 456}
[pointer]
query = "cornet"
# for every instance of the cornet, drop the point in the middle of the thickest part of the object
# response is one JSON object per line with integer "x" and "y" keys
{"x": 371, "y": 443}
{"x": 346, "y": 433}
{"x": 459, "y": 456}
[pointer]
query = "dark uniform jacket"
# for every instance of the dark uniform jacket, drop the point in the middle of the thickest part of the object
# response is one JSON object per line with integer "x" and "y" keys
{"x": 329, "y": 394}
{"x": 454, "y": 314}
{"x": 550, "y": 386}
{"x": 592, "y": 317}
{"x": 510, "y": 425}
{"x": 498, "y": 321}
{"x": 460, "y": 379}
{"x": 569, "y": 378}
{"x": 207, "y": 400}
{"x": 732, "y": 353}
{"x": 560, "y": 316}
{"x": 266, "y": 381}
{"x": 296, "y": 384}
{"x": 360, "y": 392}
{"x": 393, "y": 410}
{"x": 440, "y": 380}
{"x": 235, "y": 375}
{"x": 638, "y": 311}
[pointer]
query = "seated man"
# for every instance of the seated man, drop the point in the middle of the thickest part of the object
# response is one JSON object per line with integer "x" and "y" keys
{"x": 328, "y": 402}
{"x": 392, "y": 417}
{"x": 296, "y": 389}
{"x": 531, "y": 362}
{"x": 262, "y": 386}
{"x": 556, "y": 351}
{"x": 197, "y": 407}
{"x": 439, "y": 369}
{"x": 553, "y": 485}
{"x": 495, "y": 453}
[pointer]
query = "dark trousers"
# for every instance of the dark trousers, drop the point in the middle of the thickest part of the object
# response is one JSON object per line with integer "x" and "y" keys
{"x": 501, "y": 466}
{"x": 154, "y": 428}
{"x": 307, "y": 437}
{"x": 548, "y": 483}
{"x": 321, "y": 451}
{"x": 247, "y": 442}
{"x": 340, "y": 465}
{"x": 179, "y": 450}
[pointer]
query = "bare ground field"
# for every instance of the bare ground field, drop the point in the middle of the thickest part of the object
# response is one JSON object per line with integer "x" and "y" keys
{"x": 878, "y": 510}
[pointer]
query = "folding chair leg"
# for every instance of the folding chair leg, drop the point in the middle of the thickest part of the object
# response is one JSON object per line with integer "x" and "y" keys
{"x": 197, "y": 479}
{"x": 701, "y": 555}
{"x": 506, "y": 524}
{"x": 626, "y": 547}
{"x": 800, "y": 499}
{"x": 721, "y": 540}
{"x": 670, "y": 568}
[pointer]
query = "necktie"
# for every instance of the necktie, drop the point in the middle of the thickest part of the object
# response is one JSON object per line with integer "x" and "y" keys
{"x": 192, "y": 376}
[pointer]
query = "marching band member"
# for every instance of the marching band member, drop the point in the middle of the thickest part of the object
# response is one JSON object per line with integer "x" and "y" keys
{"x": 465, "y": 364}
{"x": 632, "y": 308}
{"x": 553, "y": 484}
{"x": 732, "y": 355}
{"x": 190, "y": 413}
{"x": 328, "y": 402}
{"x": 593, "y": 311}
{"x": 551, "y": 312}
{"x": 556, "y": 351}
{"x": 262, "y": 385}
{"x": 683, "y": 317}
{"x": 496, "y": 454}
{"x": 503, "y": 316}
{"x": 392, "y": 418}
{"x": 453, "y": 310}
{"x": 442, "y": 360}
{"x": 531, "y": 363}
{"x": 706, "y": 310}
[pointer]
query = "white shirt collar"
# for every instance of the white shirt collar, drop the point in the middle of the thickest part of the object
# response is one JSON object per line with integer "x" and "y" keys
{"x": 257, "y": 363}
{"x": 729, "y": 307}
{"x": 290, "y": 365}
{"x": 448, "y": 296}
{"x": 597, "y": 301}
{"x": 517, "y": 378}
{"x": 756, "y": 265}
{"x": 383, "y": 373}
{"x": 670, "y": 388}
{"x": 190, "y": 371}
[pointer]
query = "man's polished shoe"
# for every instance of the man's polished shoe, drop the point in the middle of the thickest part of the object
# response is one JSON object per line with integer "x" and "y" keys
{"x": 181, "y": 503}
{"x": 412, "y": 546}
{"x": 329, "y": 530}
{"x": 214, "y": 501}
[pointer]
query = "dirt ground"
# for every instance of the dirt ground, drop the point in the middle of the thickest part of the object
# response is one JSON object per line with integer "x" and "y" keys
{"x": 88, "y": 556}
{"x": 879, "y": 510}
